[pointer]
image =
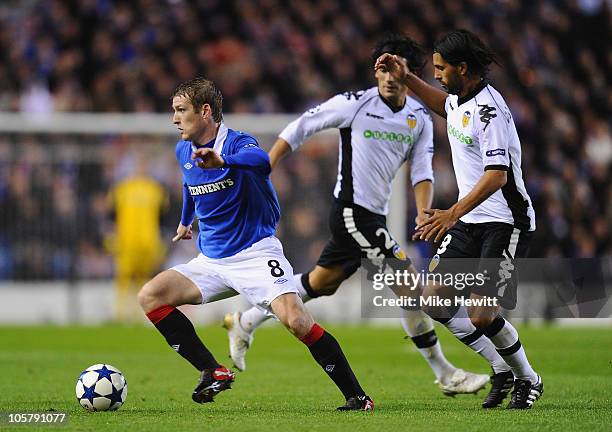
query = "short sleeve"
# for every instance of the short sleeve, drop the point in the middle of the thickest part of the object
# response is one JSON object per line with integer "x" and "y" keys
{"x": 421, "y": 154}
{"x": 337, "y": 112}
{"x": 493, "y": 138}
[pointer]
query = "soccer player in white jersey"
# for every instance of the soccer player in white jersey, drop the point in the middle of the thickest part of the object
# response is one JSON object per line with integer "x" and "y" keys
{"x": 226, "y": 186}
{"x": 493, "y": 220}
{"x": 380, "y": 129}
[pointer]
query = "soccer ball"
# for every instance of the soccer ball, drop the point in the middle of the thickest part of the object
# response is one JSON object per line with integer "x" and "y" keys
{"x": 101, "y": 387}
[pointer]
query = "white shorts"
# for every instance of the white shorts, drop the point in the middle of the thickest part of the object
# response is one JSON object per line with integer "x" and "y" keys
{"x": 260, "y": 273}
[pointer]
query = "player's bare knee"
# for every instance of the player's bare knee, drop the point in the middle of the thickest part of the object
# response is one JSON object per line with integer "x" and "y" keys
{"x": 482, "y": 316}
{"x": 299, "y": 322}
{"x": 149, "y": 296}
{"x": 296, "y": 325}
{"x": 481, "y": 322}
{"x": 145, "y": 298}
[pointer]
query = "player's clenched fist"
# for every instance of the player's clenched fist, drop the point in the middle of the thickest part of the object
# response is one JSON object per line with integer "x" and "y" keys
{"x": 207, "y": 158}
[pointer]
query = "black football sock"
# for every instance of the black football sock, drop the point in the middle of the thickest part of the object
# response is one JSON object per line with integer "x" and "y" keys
{"x": 182, "y": 337}
{"x": 327, "y": 352}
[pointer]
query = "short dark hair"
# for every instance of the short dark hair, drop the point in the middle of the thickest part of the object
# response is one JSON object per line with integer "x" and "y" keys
{"x": 401, "y": 45}
{"x": 201, "y": 91}
{"x": 464, "y": 46}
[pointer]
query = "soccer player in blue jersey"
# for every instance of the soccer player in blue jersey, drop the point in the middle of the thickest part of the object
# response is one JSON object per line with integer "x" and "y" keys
{"x": 226, "y": 186}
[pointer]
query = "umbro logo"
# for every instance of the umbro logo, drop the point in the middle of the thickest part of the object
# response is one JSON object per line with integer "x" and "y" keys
{"x": 188, "y": 166}
{"x": 330, "y": 368}
{"x": 176, "y": 347}
{"x": 375, "y": 116}
{"x": 280, "y": 281}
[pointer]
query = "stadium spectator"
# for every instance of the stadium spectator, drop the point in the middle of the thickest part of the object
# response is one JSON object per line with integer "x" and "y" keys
{"x": 106, "y": 56}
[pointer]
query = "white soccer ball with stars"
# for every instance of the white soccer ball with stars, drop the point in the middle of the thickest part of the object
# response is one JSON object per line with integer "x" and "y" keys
{"x": 101, "y": 387}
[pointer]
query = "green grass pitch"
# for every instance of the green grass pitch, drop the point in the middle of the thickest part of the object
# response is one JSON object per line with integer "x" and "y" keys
{"x": 284, "y": 390}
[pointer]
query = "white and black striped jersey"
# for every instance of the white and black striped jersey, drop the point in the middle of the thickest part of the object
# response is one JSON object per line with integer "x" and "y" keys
{"x": 483, "y": 136}
{"x": 374, "y": 142}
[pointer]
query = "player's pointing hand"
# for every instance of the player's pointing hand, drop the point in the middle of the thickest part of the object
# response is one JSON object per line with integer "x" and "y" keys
{"x": 207, "y": 158}
{"x": 183, "y": 233}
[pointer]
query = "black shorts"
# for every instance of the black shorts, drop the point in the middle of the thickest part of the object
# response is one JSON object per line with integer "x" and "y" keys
{"x": 356, "y": 234}
{"x": 493, "y": 246}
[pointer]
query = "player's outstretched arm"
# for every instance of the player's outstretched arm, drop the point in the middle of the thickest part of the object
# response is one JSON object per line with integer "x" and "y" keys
{"x": 432, "y": 97}
{"x": 278, "y": 151}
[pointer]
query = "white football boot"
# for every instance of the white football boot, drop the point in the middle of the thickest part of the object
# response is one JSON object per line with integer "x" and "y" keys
{"x": 239, "y": 339}
{"x": 461, "y": 382}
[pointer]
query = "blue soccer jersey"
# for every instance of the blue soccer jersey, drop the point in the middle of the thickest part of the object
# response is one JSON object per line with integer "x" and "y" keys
{"x": 236, "y": 205}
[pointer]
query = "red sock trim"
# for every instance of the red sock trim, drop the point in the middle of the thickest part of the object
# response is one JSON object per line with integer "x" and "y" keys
{"x": 160, "y": 313}
{"x": 315, "y": 333}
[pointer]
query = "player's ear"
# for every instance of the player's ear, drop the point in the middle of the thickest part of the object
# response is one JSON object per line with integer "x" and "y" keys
{"x": 206, "y": 111}
{"x": 462, "y": 68}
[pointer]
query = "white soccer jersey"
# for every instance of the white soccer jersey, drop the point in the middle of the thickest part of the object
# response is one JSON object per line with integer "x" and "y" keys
{"x": 483, "y": 136}
{"x": 374, "y": 142}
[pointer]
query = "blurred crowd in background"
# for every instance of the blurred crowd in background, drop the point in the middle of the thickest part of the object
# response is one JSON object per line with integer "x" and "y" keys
{"x": 272, "y": 56}
{"x": 59, "y": 219}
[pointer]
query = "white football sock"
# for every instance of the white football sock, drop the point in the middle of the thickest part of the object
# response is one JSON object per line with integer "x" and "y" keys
{"x": 463, "y": 329}
{"x": 300, "y": 288}
{"x": 252, "y": 318}
{"x": 509, "y": 347}
{"x": 420, "y": 328}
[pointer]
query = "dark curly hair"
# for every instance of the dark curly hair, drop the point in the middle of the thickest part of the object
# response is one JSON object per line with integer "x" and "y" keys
{"x": 201, "y": 91}
{"x": 403, "y": 46}
{"x": 464, "y": 46}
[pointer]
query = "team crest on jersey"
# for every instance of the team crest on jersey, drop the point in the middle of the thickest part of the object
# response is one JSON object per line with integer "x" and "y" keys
{"x": 434, "y": 262}
{"x": 412, "y": 121}
{"x": 399, "y": 253}
{"x": 466, "y": 118}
